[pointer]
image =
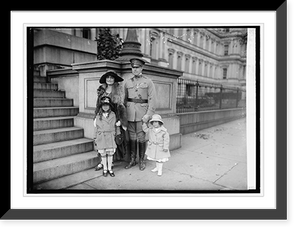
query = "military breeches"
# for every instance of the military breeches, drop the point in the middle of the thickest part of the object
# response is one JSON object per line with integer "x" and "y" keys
{"x": 136, "y": 132}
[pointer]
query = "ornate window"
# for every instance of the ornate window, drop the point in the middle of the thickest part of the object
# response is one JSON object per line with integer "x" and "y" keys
{"x": 205, "y": 68}
{"x": 189, "y": 36}
{"x": 194, "y": 62}
{"x": 187, "y": 63}
{"x": 179, "y": 60}
{"x": 202, "y": 38}
{"x": 180, "y": 33}
{"x": 171, "y": 57}
{"x": 224, "y": 73}
{"x": 86, "y": 33}
{"x": 200, "y": 67}
{"x": 154, "y": 44}
{"x": 211, "y": 70}
{"x": 226, "y": 49}
{"x": 196, "y": 31}
{"x": 207, "y": 42}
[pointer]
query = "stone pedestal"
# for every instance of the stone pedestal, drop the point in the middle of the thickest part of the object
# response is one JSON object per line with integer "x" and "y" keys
{"x": 87, "y": 75}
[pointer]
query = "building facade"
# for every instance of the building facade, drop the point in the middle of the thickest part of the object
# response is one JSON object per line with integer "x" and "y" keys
{"x": 208, "y": 55}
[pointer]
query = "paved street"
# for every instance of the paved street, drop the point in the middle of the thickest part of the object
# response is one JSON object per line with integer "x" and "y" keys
{"x": 210, "y": 159}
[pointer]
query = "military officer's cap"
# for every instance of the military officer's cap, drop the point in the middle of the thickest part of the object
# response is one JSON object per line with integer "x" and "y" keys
{"x": 137, "y": 62}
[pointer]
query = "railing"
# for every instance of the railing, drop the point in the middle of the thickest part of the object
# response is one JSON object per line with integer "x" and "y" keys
{"x": 196, "y": 96}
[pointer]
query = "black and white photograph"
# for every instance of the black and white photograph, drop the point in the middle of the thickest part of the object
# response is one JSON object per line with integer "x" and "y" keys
{"x": 148, "y": 115}
{"x": 142, "y": 109}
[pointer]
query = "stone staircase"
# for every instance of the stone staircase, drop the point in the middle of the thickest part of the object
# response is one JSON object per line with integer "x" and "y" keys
{"x": 59, "y": 148}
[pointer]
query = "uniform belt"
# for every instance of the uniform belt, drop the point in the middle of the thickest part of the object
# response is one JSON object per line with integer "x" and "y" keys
{"x": 156, "y": 143}
{"x": 137, "y": 100}
{"x": 100, "y": 132}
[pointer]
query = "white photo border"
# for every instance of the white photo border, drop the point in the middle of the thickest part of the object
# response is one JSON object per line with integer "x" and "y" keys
{"x": 267, "y": 201}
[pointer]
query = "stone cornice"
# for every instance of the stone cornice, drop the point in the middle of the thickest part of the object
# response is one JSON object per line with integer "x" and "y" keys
{"x": 201, "y": 51}
{"x": 225, "y": 35}
{"x": 59, "y": 72}
{"x": 121, "y": 67}
{"x": 99, "y": 64}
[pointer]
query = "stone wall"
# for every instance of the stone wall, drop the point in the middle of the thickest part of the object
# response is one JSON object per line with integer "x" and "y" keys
{"x": 192, "y": 122}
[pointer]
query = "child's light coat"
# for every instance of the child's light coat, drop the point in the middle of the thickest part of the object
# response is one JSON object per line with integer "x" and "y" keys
{"x": 157, "y": 142}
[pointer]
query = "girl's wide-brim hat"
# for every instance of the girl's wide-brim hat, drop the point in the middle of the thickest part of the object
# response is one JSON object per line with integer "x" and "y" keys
{"x": 110, "y": 73}
{"x": 106, "y": 100}
{"x": 156, "y": 117}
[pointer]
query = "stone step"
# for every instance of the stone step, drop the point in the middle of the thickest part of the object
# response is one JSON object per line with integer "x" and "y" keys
{"x": 56, "y": 168}
{"x": 56, "y": 135}
{"x": 52, "y": 102}
{"x": 61, "y": 149}
{"x": 45, "y": 86}
{"x": 52, "y": 122}
{"x": 68, "y": 181}
{"x": 55, "y": 112}
{"x": 39, "y": 93}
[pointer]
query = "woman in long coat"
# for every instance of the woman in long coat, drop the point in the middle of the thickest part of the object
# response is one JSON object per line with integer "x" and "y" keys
{"x": 110, "y": 86}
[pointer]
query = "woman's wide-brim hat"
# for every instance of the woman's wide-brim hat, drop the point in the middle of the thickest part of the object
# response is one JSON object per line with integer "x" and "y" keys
{"x": 112, "y": 74}
{"x": 156, "y": 117}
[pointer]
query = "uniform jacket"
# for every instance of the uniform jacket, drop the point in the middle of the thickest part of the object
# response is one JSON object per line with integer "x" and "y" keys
{"x": 139, "y": 88}
{"x": 105, "y": 131}
{"x": 157, "y": 142}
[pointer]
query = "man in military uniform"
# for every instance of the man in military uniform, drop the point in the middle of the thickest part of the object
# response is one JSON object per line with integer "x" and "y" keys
{"x": 140, "y": 99}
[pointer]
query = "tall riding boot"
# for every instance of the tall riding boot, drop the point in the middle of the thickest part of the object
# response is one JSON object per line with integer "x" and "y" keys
{"x": 133, "y": 149}
{"x": 142, "y": 150}
{"x": 127, "y": 147}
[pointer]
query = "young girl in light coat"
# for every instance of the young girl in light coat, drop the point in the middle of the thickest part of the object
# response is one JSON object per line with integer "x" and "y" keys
{"x": 158, "y": 144}
{"x": 105, "y": 132}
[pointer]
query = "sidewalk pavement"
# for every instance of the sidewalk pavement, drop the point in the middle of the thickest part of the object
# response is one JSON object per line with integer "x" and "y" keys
{"x": 210, "y": 159}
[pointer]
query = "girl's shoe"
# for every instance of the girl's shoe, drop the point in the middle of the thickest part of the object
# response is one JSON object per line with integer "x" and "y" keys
{"x": 99, "y": 167}
{"x": 111, "y": 173}
{"x": 155, "y": 169}
{"x": 105, "y": 173}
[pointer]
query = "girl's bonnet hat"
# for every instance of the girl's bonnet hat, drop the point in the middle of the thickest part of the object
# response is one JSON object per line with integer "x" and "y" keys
{"x": 156, "y": 117}
{"x": 112, "y": 74}
{"x": 106, "y": 100}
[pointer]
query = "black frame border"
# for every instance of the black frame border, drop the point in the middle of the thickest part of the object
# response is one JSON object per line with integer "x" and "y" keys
{"x": 279, "y": 213}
